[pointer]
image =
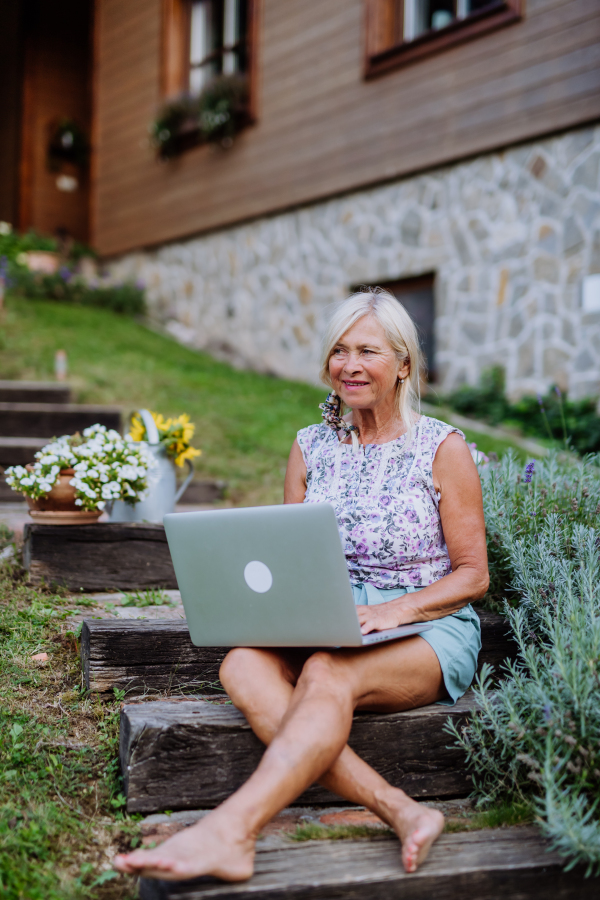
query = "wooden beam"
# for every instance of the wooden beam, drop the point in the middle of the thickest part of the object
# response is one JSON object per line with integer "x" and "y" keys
{"x": 504, "y": 864}
{"x": 192, "y": 754}
{"x": 100, "y": 557}
{"x": 144, "y": 656}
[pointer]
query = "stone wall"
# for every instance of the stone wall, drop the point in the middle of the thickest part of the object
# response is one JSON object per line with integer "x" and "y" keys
{"x": 510, "y": 236}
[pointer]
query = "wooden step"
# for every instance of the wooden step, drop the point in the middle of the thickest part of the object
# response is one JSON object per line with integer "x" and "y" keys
{"x": 34, "y": 392}
{"x": 193, "y": 754}
{"x": 144, "y": 656}
{"x": 18, "y": 451}
{"x": 203, "y": 492}
{"x": 105, "y": 556}
{"x": 49, "y": 420}
{"x": 500, "y": 864}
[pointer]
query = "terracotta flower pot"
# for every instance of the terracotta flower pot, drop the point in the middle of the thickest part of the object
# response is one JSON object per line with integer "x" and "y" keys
{"x": 46, "y": 261}
{"x": 58, "y": 507}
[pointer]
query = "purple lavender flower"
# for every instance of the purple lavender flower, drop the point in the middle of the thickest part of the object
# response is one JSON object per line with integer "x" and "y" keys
{"x": 140, "y": 284}
{"x": 4, "y": 276}
{"x": 529, "y": 471}
{"x": 65, "y": 273}
{"x": 557, "y": 391}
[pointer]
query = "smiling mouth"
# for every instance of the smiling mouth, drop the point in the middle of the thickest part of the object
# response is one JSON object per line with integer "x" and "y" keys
{"x": 355, "y": 383}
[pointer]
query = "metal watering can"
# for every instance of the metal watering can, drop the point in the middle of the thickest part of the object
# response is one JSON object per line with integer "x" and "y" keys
{"x": 162, "y": 492}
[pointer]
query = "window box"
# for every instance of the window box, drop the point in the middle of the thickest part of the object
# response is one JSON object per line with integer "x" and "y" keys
{"x": 215, "y": 116}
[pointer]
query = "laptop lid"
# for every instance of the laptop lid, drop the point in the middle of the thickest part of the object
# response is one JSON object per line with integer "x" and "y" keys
{"x": 267, "y": 576}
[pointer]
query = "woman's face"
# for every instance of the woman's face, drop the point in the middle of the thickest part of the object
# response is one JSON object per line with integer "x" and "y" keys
{"x": 363, "y": 366}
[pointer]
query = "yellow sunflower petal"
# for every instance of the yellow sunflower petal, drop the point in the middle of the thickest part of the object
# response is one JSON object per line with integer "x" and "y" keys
{"x": 190, "y": 453}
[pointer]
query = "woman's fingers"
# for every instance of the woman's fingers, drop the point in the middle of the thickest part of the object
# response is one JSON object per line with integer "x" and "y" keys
{"x": 377, "y": 618}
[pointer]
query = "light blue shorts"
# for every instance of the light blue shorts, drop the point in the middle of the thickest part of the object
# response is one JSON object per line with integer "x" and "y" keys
{"x": 455, "y": 639}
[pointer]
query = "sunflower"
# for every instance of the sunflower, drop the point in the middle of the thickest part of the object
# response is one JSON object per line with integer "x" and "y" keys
{"x": 174, "y": 434}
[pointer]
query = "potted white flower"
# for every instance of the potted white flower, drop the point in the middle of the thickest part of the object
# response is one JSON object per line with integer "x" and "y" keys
{"x": 75, "y": 477}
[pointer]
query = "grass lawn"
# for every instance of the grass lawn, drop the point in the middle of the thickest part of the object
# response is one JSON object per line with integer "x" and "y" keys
{"x": 246, "y": 422}
{"x": 61, "y": 816}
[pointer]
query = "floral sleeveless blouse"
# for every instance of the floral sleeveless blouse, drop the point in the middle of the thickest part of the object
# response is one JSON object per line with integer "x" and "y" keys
{"x": 385, "y": 503}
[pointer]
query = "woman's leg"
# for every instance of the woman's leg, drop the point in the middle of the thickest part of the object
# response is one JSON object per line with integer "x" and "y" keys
{"x": 312, "y": 734}
{"x": 261, "y": 684}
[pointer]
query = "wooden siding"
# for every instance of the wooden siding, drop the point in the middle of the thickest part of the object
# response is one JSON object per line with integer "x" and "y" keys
{"x": 321, "y": 128}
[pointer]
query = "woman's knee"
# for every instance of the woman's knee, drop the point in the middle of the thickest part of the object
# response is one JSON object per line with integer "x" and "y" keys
{"x": 246, "y": 669}
{"x": 237, "y": 667}
{"x": 325, "y": 670}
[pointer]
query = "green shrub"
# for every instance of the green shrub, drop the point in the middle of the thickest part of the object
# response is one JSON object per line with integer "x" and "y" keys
{"x": 487, "y": 401}
{"x": 536, "y": 738}
{"x": 12, "y": 243}
{"x": 573, "y": 423}
{"x": 66, "y": 286}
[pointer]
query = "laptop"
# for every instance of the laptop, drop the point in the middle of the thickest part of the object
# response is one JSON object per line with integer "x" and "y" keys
{"x": 268, "y": 576}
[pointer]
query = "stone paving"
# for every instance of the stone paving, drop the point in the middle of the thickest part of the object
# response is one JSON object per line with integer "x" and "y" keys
{"x": 509, "y": 235}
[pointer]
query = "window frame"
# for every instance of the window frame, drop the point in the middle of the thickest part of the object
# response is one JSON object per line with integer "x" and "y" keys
{"x": 382, "y": 57}
{"x": 175, "y": 62}
{"x": 221, "y": 51}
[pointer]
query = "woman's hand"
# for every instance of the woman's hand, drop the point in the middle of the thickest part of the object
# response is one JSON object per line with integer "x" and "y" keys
{"x": 379, "y": 617}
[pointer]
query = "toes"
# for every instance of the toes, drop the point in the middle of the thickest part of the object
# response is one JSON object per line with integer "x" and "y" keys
{"x": 122, "y": 864}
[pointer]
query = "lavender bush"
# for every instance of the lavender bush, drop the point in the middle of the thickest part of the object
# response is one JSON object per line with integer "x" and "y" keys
{"x": 536, "y": 737}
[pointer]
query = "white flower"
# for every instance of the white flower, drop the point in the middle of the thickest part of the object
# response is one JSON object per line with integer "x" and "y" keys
{"x": 100, "y": 504}
{"x": 78, "y": 502}
{"x": 5, "y": 228}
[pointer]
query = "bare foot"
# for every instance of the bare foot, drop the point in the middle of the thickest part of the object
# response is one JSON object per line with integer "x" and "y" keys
{"x": 416, "y": 825}
{"x": 213, "y": 846}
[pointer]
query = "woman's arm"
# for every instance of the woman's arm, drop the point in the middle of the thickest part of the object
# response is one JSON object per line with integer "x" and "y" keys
{"x": 294, "y": 489}
{"x": 456, "y": 478}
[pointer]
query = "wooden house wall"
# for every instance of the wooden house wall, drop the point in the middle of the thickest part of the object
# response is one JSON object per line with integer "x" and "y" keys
{"x": 321, "y": 128}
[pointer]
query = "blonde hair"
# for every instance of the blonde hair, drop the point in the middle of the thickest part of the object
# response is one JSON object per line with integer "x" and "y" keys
{"x": 401, "y": 333}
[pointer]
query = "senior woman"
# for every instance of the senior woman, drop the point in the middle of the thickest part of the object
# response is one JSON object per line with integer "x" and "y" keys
{"x": 407, "y": 498}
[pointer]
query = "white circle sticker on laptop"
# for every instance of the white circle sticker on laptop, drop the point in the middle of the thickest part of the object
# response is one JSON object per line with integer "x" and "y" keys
{"x": 258, "y": 577}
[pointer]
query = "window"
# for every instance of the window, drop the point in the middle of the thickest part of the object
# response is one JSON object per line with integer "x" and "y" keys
{"x": 217, "y": 40}
{"x": 204, "y": 38}
{"x": 400, "y": 31}
{"x": 416, "y": 296}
